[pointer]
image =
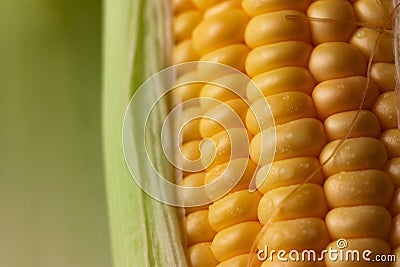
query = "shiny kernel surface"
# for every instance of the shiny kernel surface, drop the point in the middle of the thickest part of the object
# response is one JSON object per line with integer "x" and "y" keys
{"x": 374, "y": 12}
{"x": 223, "y": 89}
{"x": 289, "y": 172}
{"x": 234, "y": 208}
{"x": 335, "y": 60}
{"x": 229, "y": 114}
{"x": 394, "y": 237}
{"x": 230, "y": 173}
{"x": 276, "y": 27}
{"x": 365, "y": 124}
{"x": 352, "y": 188}
{"x": 235, "y": 240}
{"x": 200, "y": 255}
{"x": 334, "y": 96}
{"x": 280, "y": 81}
{"x": 184, "y": 23}
{"x": 222, "y": 6}
{"x": 198, "y": 228}
{"x": 218, "y": 149}
{"x": 283, "y": 107}
{"x": 354, "y": 154}
{"x": 299, "y": 138}
{"x": 298, "y": 234}
{"x": 358, "y": 222}
{"x": 327, "y": 31}
{"x": 393, "y": 169}
{"x": 184, "y": 52}
{"x": 240, "y": 261}
{"x": 277, "y": 55}
{"x": 391, "y": 139}
{"x": 383, "y": 74}
{"x": 231, "y": 55}
{"x": 385, "y": 109}
{"x": 256, "y": 7}
{"x": 292, "y": 202}
{"x": 364, "y": 39}
{"x": 217, "y": 31}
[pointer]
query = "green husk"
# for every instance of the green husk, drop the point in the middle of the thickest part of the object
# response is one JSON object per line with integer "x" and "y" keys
{"x": 144, "y": 232}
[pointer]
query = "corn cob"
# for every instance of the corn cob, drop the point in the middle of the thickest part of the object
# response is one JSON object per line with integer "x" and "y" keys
{"x": 326, "y": 69}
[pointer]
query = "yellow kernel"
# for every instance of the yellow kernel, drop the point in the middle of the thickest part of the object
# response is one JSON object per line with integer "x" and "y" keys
{"x": 334, "y": 60}
{"x": 235, "y": 240}
{"x": 358, "y": 222}
{"x": 365, "y": 124}
{"x": 276, "y": 27}
{"x": 190, "y": 129}
{"x": 334, "y": 96}
{"x": 230, "y": 114}
{"x": 231, "y": 55}
{"x": 198, "y": 228}
{"x": 377, "y": 13}
{"x": 299, "y": 138}
{"x": 289, "y": 172}
{"x": 383, "y": 74}
{"x": 190, "y": 160}
{"x": 298, "y": 234}
{"x": 280, "y": 81}
{"x": 393, "y": 169}
{"x": 234, "y": 208}
{"x": 184, "y": 52}
{"x": 201, "y": 255}
{"x": 291, "y": 263}
{"x": 375, "y": 245}
{"x": 396, "y": 253}
{"x": 218, "y": 8}
{"x": 205, "y": 4}
{"x": 225, "y": 146}
{"x": 273, "y": 56}
{"x": 292, "y": 202}
{"x": 184, "y": 23}
{"x": 394, "y": 237}
{"x": 223, "y": 89}
{"x": 364, "y": 39}
{"x": 391, "y": 139}
{"x": 229, "y": 174}
{"x": 385, "y": 109}
{"x": 256, "y": 7}
{"x": 283, "y": 107}
{"x": 217, "y": 31}
{"x": 354, "y": 154}
{"x": 192, "y": 180}
{"x": 240, "y": 261}
{"x": 395, "y": 206}
{"x": 351, "y": 188}
{"x": 188, "y": 90}
{"x": 338, "y": 30}
{"x": 181, "y": 5}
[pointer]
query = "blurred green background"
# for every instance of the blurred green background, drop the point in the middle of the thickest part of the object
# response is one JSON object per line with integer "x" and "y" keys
{"x": 52, "y": 199}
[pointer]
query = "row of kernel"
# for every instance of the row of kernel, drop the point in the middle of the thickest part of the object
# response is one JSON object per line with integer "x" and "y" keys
{"x": 218, "y": 38}
{"x": 357, "y": 189}
{"x": 234, "y": 217}
{"x": 278, "y": 64}
{"x": 198, "y": 231}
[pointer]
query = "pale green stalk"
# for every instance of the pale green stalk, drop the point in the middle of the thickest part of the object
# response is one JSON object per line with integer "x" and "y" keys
{"x": 144, "y": 232}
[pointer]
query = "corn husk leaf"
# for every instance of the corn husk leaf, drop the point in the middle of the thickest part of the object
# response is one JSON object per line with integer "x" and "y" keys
{"x": 144, "y": 232}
